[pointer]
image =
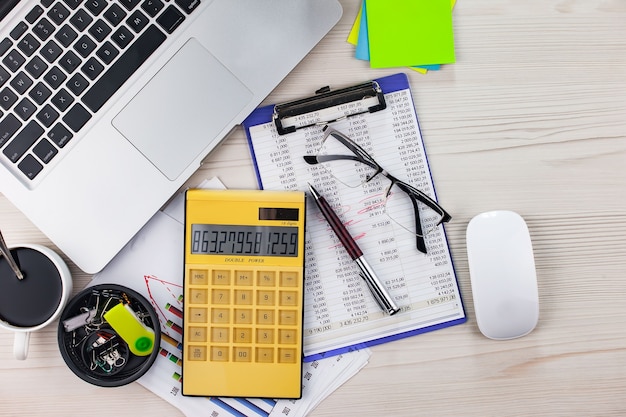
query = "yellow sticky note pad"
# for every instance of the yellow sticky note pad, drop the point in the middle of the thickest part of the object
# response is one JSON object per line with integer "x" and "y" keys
{"x": 410, "y": 32}
{"x": 353, "y": 36}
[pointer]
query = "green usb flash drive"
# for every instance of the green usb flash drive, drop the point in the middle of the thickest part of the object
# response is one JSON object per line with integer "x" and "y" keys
{"x": 138, "y": 336}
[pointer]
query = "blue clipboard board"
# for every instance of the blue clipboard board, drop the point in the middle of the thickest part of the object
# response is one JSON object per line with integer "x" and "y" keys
{"x": 263, "y": 115}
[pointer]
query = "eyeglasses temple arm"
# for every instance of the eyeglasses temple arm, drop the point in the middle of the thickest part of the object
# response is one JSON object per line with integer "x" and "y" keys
{"x": 414, "y": 193}
{"x": 419, "y": 233}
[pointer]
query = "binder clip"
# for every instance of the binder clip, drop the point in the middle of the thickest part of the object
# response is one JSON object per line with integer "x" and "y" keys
{"x": 328, "y": 106}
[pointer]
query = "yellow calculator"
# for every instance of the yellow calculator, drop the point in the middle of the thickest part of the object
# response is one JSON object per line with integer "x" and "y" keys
{"x": 243, "y": 293}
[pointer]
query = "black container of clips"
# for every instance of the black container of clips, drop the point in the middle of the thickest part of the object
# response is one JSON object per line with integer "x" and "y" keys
{"x": 100, "y": 350}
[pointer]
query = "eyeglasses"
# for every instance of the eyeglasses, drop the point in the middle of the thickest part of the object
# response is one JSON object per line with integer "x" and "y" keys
{"x": 351, "y": 165}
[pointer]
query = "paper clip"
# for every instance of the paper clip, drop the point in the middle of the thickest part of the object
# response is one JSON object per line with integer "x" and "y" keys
{"x": 328, "y": 106}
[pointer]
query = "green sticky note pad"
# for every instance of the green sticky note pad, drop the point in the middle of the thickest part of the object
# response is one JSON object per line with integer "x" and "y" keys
{"x": 409, "y": 32}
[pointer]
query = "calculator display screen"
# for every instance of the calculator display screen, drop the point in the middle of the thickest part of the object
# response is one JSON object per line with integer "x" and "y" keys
{"x": 219, "y": 239}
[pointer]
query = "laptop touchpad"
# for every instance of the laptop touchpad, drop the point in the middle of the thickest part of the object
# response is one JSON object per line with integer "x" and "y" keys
{"x": 182, "y": 109}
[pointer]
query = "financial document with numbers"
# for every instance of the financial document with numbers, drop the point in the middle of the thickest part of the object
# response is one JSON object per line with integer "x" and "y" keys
{"x": 339, "y": 310}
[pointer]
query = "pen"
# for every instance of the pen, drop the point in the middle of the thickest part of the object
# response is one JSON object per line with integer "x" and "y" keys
{"x": 376, "y": 287}
{"x": 4, "y": 250}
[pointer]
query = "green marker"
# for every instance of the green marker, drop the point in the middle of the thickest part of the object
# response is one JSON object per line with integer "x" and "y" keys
{"x": 138, "y": 336}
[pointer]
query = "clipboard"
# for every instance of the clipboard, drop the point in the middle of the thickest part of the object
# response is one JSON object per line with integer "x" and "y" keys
{"x": 278, "y": 162}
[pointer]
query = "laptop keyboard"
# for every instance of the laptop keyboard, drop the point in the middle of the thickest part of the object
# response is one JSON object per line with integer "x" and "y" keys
{"x": 64, "y": 61}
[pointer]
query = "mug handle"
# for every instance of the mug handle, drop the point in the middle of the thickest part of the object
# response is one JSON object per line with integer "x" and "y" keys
{"x": 20, "y": 345}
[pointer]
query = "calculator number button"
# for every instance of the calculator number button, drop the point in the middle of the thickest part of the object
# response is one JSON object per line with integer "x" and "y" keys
{"x": 242, "y": 335}
{"x": 243, "y": 316}
{"x": 265, "y": 336}
{"x": 243, "y": 297}
{"x": 220, "y": 296}
{"x": 265, "y": 298}
{"x": 265, "y": 317}
{"x": 219, "y": 335}
{"x": 220, "y": 315}
{"x": 242, "y": 354}
{"x": 219, "y": 354}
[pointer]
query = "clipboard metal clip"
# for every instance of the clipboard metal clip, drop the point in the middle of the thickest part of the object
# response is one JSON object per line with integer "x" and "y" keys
{"x": 328, "y": 106}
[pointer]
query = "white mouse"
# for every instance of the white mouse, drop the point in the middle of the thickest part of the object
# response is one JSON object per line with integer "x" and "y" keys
{"x": 503, "y": 275}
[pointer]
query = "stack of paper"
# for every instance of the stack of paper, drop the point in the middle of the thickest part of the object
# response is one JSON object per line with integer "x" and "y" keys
{"x": 399, "y": 33}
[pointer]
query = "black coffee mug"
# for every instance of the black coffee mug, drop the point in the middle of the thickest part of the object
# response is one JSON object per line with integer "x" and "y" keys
{"x": 35, "y": 301}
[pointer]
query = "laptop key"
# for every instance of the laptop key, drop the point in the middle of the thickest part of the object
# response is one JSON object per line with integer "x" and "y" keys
{"x": 28, "y": 45}
{"x": 73, "y": 4}
{"x": 40, "y": 93}
{"x": 36, "y": 67}
{"x": 21, "y": 82}
{"x": 96, "y": 6}
{"x": 92, "y": 68}
{"x": 115, "y": 14}
{"x": 188, "y": 6}
{"x": 81, "y": 20}
{"x": 34, "y": 14}
{"x": 23, "y": 141}
{"x": 43, "y": 29}
{"x": 30, "y": 166}
{"x": 170, "y": 19}
{"x": 122, "y": 37}
{"x": 123, "y": 68}
{"x": 85, "y": 46}
{"x": 69, "y": 62}
{"x": 4, "y": 76}
{"x": 18, "y": 30}
{"x": 47, "y": 115}
{"x": 130, "y": 4}
{"x": 62, "y": 100}
{"x": 58, "y": 13}
{"x": 76, "y": 117}
{"x": 51, "y": 51}
{"x": 60, "y": 135}
{"x": 137, "y": 21}
{"x": 25, "y": 109}
{"x": 8, "y": 126}
{"x": 100, "y": 30}
{"x": 14, "y": 60}
{"x": 5, "y": 45}
{"x": 45, "y": 151}
{"x": 7, "y": 98}
{"x": 77, "y": 84}
{"x": 152, "y": 7}
{"x": 107, "y": 52}
{"x": 66, "y": 35}
{"x": 55, "y": 77}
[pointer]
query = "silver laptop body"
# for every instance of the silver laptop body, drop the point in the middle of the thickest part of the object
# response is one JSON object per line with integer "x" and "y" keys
{"x": 105, "y": 114}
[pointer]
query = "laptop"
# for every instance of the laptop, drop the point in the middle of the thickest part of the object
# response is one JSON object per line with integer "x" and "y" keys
{"x": 108, "y": 106}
